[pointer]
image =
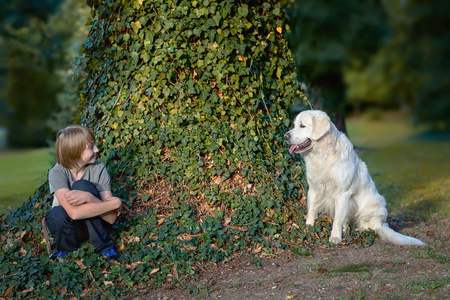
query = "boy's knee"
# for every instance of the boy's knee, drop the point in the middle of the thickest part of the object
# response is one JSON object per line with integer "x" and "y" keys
{"x": 85, "y": 186}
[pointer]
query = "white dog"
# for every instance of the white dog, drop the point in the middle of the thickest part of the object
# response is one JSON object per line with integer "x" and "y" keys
{"x": 339, "y": 182}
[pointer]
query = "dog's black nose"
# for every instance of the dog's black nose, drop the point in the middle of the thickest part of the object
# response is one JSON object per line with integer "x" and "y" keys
{"x": 286, "y": 136}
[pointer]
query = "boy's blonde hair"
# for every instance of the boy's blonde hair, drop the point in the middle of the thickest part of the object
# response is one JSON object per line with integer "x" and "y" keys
{"x": 70, "y": 144}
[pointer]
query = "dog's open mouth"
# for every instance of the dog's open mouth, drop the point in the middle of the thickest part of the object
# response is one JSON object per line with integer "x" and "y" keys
{"x": 300, "y": 147}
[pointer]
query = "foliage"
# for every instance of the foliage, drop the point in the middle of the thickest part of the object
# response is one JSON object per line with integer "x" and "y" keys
{"x": 387, "y": 54}
{"x": 36, "y": 46}
{"x": 410, "y": 67}
{"x": 189, "y": 101}
{"x": 327, "y": 37}
{"x": 157, "y": 250}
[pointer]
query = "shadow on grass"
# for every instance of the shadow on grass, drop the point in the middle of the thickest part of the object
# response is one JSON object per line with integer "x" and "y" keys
{"x": 431, "y": 136}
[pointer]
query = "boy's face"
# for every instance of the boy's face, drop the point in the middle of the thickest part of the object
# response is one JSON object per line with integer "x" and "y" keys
{"x": 89, "y": 154}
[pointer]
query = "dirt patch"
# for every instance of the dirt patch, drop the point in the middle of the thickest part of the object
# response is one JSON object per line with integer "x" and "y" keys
{"x": 381, "y": 271}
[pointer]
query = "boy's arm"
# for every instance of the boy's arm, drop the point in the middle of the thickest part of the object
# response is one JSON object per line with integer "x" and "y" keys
{"x": 90, "y": 206}
{"x": 110, "y": 216}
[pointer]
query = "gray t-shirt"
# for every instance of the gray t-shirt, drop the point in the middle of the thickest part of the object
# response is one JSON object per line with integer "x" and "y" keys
{"x": 60, "y": 177}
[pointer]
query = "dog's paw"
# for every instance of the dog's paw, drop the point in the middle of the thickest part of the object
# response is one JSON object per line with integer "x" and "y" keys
{"x": 335, "y": 239}
{"x": 310, "y": 222}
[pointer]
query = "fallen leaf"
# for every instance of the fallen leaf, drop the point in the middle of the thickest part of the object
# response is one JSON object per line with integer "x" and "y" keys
{"x": 154, "y": 271}
{"x": 213, "y": 246}
{"x": 241, "y": 229}
{"x": 31, "y": 289}
{"x": 279, "y": 29}
{"x": 8, "y": 291}
{"x": 134, "y": 265}
{"x": 184, "y": 237}
{"x": 80, "y": 264}
{"x": 23, "y": 252}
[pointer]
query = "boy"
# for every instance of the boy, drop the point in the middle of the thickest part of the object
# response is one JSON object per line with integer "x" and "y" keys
{"x": 83, "y": 204}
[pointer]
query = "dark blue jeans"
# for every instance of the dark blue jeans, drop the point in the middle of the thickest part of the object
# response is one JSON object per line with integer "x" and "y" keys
{"x": 69, "y": 234}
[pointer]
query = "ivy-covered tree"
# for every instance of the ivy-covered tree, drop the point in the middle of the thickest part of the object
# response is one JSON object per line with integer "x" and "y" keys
{"x": 190, "y": 100}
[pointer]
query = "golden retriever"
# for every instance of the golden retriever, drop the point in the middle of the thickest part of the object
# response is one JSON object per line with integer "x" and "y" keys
{"x": 339, "y": 182}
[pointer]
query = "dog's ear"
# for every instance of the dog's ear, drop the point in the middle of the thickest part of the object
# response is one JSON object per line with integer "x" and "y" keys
{"x": 321, "y": 125}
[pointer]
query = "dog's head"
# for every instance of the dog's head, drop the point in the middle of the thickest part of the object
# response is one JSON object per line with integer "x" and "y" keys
{"x": 309, "y": 127}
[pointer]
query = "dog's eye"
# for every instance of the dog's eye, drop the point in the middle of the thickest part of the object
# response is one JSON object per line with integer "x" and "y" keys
{"x": 302, "y": 126}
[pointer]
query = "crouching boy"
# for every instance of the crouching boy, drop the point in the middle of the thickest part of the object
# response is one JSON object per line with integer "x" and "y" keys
{"x": 83, "y": 205}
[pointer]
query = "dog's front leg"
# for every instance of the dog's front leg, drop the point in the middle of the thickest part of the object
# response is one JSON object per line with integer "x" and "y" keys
{"x": 312, "y": 207}
{"x": 340, "y": 217}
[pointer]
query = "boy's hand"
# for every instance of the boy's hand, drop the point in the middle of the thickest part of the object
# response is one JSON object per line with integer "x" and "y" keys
{"x": 117, "y": 200}
{"x": 78, "y": 197}
{"x": 117, "y": 211}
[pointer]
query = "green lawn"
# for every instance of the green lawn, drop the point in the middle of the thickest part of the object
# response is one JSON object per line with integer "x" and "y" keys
{"x": 409, "y": 166}
{"x": 21, "y": 173}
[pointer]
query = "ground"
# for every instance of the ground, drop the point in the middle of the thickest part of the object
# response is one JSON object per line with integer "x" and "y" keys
{"x": 410, "y": 170}
{"x": 381, "y": 271}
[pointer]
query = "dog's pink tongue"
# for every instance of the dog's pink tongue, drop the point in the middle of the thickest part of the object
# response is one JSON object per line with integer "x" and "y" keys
{"x": 292, "y": 148}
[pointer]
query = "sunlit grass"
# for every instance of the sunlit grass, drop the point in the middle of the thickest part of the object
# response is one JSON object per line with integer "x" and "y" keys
{"x": 21, "y": 173}
{"x": 409, "y": 167}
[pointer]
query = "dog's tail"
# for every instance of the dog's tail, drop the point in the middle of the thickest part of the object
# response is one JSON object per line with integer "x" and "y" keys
{"x": 388, "y": 234}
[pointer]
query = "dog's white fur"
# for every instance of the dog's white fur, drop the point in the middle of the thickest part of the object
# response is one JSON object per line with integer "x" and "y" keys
{"x": 339, "y": 182}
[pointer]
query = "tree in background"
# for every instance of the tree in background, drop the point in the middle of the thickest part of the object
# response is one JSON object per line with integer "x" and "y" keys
{"x": 70, "y": 26}
{"x": 411, "y": 68}
{"x": 387, "y": 54}
{"x": 27, "y": 70}
{"x": 34, "y": 45}
{"x": 328, "y": 36}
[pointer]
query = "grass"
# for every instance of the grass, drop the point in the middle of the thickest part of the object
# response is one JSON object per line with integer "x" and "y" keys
{"x": 423, "y": 285}
{"x": 21, "y": 173}
{"x": 408, "y": 165}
